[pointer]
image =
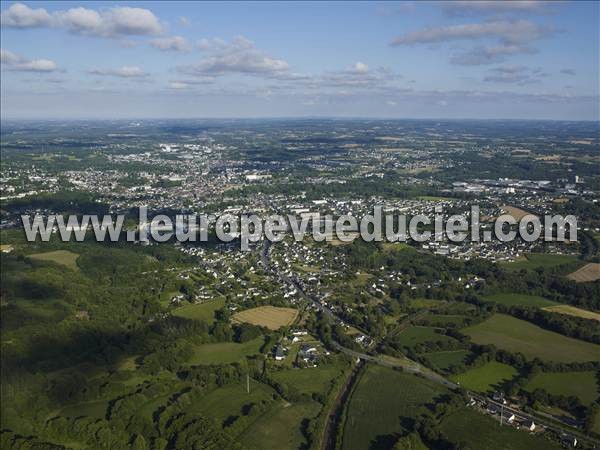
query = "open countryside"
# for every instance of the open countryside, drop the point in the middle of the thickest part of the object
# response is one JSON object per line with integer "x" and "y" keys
{"x": 519, "y": 336}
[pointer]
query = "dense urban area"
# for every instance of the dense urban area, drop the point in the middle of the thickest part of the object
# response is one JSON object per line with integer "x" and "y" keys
{"x": 300, "y": 345}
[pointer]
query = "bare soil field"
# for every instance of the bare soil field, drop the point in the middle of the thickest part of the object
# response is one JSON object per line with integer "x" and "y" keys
{"x": 517, "y": 213}
{"x": 589, "y": 272}
{"x": 271, "y": 317}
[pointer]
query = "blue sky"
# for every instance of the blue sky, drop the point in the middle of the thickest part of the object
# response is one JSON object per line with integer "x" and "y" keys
{"x": 475, "y": 59}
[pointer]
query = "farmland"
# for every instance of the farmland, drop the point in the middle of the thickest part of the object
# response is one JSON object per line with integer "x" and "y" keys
{"x": 381, "y": 389}
{"x": 583, "y": 385}
{"x": 311, "y": 380}
{"x": 271, "y": 317}
{"x": 573, "y": 311}
{"x": 458, "y": 428}
{"x": 225, "y": 352}
{"x": 515, "y": 212}
{"x": 544, "y": 260}
{"x": 487, "y": 377}
{"x": 203, "y": 311}
{"x": 62, "y": 257}
{"x": 414, "y": 335}
{"x": 512, "y": 299}
{"x": 444, "y": 360}
{"x": 517, "y": 335}
{"x": 587, "y": 273}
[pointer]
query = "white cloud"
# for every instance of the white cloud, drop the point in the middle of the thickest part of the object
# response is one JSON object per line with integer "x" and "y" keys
{"x": 121, "y": 72}
{"x": 178, "y": 85}
{"x": 516, "y": 74}
{"x": 22, "y": 16}
{"x": 509, "y": 32}
{"x": 184, "y": 21}
{"x": 113, "y": 22}
{"x": 489, "y": 55}
{"x": 13, "y": 62}
{"x": 171, "y": 43}
{"x": 7, "y": 57}
{"x": 117, "y": 21}
{"x": 361, "y": 67}
{"x": 238, "y": 56}
{"x": 494, "y": 6}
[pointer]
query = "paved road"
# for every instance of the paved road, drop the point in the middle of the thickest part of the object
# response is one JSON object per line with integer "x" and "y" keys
{"x": 414, "y": 367}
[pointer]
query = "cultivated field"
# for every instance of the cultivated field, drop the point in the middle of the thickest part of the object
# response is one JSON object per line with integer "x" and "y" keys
{"x": 225, "y": 352}
{"x": 535, "y": 260}
{"x": 573, "y": 311}
{"x": 485, "y": 378}
{"x": 589, "y": 272}
{"x": 413, "y": 335}
{"x": 517, "y": 213}
{"x": 271, "y": 317}
{"x": 309, "y": 381}
{"x": 583, "y": 385}
{"x": 512, "y": 299}
{"x": 517, "y": 335}
{"x": 203, "y": 311}
{"x": 401, "y": 396}
{"x": 446, "y": 359}
{"x": 62, "y": 257}
{"x": 471, "y": 429}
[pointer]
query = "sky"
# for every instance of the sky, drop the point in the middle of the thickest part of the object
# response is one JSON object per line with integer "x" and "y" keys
{"x": 460, "y": 59}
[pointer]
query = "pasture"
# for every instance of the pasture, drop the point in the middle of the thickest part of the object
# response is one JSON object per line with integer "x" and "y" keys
{"x": 271, "y": 317}
{"x": 317, "y": 380}
{"x": 587, "y": 273}
{"x": 583, "y": 385}
{"x": 513, "y": 299}
{"x": 446, "y": 359}
{"x": 544, "y": 260}
{"x": 520, "y": 336}
{"x": 486, "y": 378}
{"x": 402, "y": 396}
{"x": 280, "y": 427}
{"x": 202, "y": 311}
{"x": 573, "y": 311}
{"x": 414, "y": 335}
{"x": 225, "y": 352}
{"x": 62, "y": 257}
{"x": 470, "y": 429}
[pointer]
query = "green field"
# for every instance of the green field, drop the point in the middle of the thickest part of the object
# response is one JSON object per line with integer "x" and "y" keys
{"x": 444, "y": 360}
{"x": 230, "y": 399}
{"x": 280, "y": 427}
{"x": 470, "y": 429}
{"x": 62, "y": 257}
{"x": 401, "y": 396}
{"x": 545, "y": 260}
{"x": 583, "y": 385}
{"x": 517, "y": 335}
{"x": 425, "y": 303}
{"x": 203, "y": 311}
{"x": 309, "y": 380}
{"x": 445, "y": 320}
{"x": 225, "y": 352}
{"x": 413, "y": 335}
{"x": 485, "y": 378}
{"x": 512, "y": 299}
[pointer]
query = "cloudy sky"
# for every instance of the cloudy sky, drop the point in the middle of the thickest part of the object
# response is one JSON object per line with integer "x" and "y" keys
{"x": 471, "y": 59}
